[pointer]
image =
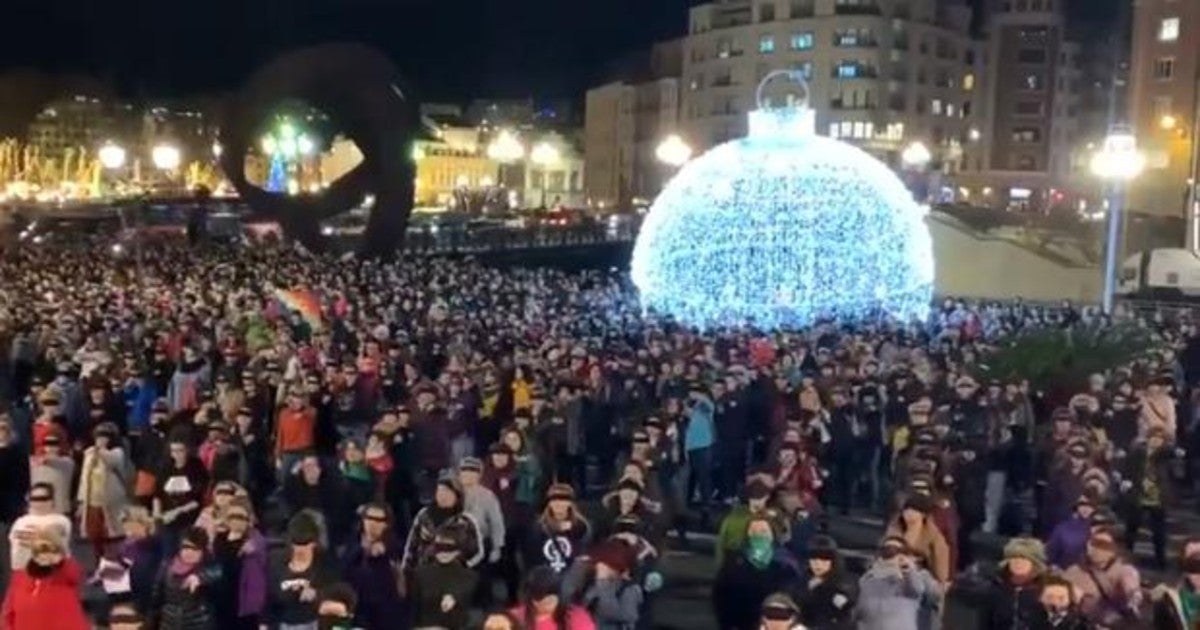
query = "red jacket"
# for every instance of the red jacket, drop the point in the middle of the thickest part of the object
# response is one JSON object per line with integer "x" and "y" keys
{"x": 47, "y": 603}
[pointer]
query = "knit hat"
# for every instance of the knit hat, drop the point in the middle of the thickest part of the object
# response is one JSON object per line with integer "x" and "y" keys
{"x": 471, "y": 464}
{"x": 617, "y": 555}
{"x": 560, "y": 491}
{"x": 301, "y": 530}
{"x": 195, "y": 537}
{"x": 541, "y": 582}
{"x": 629, "y": 483}
{"x": 1030, "y": 549}
{"x": 823, "y": 547}
{"x": 780, "y": 606}
{"x": 757, "y": 490}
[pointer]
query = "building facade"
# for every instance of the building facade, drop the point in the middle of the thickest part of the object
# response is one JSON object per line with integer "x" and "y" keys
{"x": 881, "y": 74}
{"x": 74, "y": 124}
{"x": 1165, "y": 102}
{"x": 1032, "y": 130}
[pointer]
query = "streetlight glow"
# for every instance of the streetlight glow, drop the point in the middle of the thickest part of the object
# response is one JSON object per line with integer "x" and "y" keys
{"x": 166, "y": 157}
{"x": 916, "y": 155}
{"x": 268, "y": 145}
{"x": 544, "y": 154}
{"x": 217, "y": 149}
{"x": 112, "y": 156}
{"x": 673, "y": 151}
{"x": 305, "y": 145}
{"x": 1168, "y": 122}
{"x": 1118, "y": 159}
{"x": 506, "y": 147}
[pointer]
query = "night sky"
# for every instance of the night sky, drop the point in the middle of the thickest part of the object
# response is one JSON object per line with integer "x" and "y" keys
{"x": 449, "y": 49}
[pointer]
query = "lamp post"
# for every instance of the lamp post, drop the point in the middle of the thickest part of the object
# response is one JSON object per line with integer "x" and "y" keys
{"x": 545, "y": 156}
{"x": 916, "y": 157}
{"x": 1116, "y": 163}
{"x": 673, "y": 151}
{"x": 505, "y": 149}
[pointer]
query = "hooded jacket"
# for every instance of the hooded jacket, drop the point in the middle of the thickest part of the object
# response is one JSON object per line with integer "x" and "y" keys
{"x": 49, "y": 602}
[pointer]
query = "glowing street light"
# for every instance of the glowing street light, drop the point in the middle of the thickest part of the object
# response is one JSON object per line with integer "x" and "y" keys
{"x": 545, "y": 156}
{"x": 916, "y": 155}
{"x": 217, "y": 150}
{"x": 166, "y": 157}
{"x": 112, "y": 156}
{"x": 1168, "y": 122}
{"x": 1116, "y": 163}
{"x": 505, "y": 148}
{"x": 673, "y": 151}
{"x": 305, "y": 145}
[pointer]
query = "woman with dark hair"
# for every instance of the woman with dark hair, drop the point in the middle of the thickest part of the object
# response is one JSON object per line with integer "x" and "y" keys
{"x": 179, "y": 494}
{"x": 825, "y": 594}
{"x": 182, "y": 593}
{"x": 241, "y": 552}
{"x": 746, "y": 579}
{"x": 368, "y": 566}
{"x": 543, "y": 608}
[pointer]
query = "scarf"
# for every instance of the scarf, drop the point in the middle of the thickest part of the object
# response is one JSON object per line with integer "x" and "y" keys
{"x": 1189, "y": 601}
{"x": 357, "y": 471}
{"x": 760, "y": 550}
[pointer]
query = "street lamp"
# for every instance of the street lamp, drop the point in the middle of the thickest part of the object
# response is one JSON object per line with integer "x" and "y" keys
{"x": 112, "y": 156}
{"x": 1116, "y": 163}
{"x": 505, "y": 149}
{"x": 166, "y": 157}
{"x": 544, "y": 155}
{"x": 217, "y": 150}
{"x": 916, "y": 155}
{"x": 673, "y": 151}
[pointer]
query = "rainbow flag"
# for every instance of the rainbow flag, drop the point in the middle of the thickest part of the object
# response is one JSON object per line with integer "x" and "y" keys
{"x": 303, "y": 301}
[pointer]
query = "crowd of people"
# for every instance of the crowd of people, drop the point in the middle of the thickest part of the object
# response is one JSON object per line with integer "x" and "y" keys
{"x": 443, "y": 444}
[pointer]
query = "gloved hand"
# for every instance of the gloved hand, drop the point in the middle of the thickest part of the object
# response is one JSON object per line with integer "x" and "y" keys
{"x": 494, "y": 556}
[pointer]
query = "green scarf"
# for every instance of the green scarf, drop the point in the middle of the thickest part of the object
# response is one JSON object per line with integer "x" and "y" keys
{"x": 1189, "y": 600}
{"x": 357, "y": 471}
{"x": 760, "y": 550}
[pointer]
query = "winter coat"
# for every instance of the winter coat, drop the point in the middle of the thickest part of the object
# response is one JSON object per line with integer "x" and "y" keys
{"x": 1068, "y": 542}
{"x": 433, "y": 582}
{"x": 827, "y": 604}
{"x": 1008, "y": 606}
{"x": 14, "y": 470}
{"x": 555, "y": 549}
{"x": 114, "y": 467}
{"x": 889, "y": 599}
{"x": 58, "y": 472}
{"x": 931, "y": 547}
{"x": 482, "y": 505}
{"x": 252, "y": 579}
{"x": 701, "y": 428}
{"x": 51, "y": 602}
{"x": 177, "y": 608}
{"x": 1157, "y": 412}
{"x": 423, "y": 531}
{"x": 615, "y": 604}
{"x": 1168, "y": 608}
{"x": 143, "y": 559}
{"x": 1072, "y": 621}
{"x": 1134, "y": 472}
{"x": 1120, "y": 582}
{"x": 374, "y": 579}
{"x": 740, "y": 588}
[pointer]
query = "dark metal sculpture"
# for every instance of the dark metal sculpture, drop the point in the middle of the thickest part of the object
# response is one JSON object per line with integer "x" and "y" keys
{"x": 359, "y": 88}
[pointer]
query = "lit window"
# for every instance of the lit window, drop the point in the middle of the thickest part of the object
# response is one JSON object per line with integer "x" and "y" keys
{"x": 847, "y": 70}
{"x": 859, "y": 130}
{"x": 1168, "y": 29}
{"x": 935, "y": 107}
{"x": 766, "y": 44}
{"x": 870, "y": 130}
{"x": 846, "y": 129}
{"x": 805, "y": 68}
{"x": 833, "y": 130}
{"x": 968, "y": 82}
{"x": 950, "y": 109}
{"x": 802, "y": 41}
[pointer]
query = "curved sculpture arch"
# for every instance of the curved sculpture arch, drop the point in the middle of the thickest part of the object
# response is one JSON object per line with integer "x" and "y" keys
{"x": 360, "y": 88}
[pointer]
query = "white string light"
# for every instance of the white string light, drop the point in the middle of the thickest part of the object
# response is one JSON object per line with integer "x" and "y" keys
{"x": 782, "y": 228}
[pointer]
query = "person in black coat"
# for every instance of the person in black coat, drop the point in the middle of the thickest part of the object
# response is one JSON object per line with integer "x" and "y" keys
{"x": 442, "y": 589}
{"x": 14, "y": 470}
{"x": 368, "y": 566}
{"x": 1058, "y": 611}
{"x": 745, "y": 580}
{"x": 1014, "y": 597}
{"x": 826, "y": 595}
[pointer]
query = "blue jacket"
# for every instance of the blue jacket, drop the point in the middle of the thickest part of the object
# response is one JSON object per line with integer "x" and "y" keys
{"x": 139, "y": 401}
{"x": 700, "y": 429}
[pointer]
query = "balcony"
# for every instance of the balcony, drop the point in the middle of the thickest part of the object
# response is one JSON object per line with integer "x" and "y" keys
{"x": 853, "y": 41}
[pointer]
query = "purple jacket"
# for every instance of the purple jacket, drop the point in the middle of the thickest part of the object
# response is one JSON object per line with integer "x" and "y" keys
{"x": 1068, "y": 542}
{"x": 252, "y": 582}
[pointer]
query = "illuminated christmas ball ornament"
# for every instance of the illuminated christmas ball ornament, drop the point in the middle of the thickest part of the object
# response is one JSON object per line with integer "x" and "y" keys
{"x": 783, "y": 228}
